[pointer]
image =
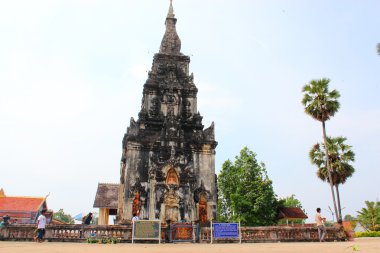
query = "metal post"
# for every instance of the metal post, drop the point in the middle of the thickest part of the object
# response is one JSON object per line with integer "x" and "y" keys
{"x": 239, "y": 232}
{"x": 133, "y": 230}
{"x": 159, "y": 229}
{"x": 211, "y": 233}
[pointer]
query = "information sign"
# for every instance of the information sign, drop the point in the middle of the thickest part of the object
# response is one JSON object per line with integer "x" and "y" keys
{"x": 226, "y": 230}
{"x": 146, "y": 230}
{"x": 182, "y": 231}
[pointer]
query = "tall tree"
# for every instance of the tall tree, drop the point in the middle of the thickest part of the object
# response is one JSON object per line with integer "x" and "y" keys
{"x": 321, "y": 104}
{"x": 245, "y": 191}
{"x": 340, "y": 157}
{"x": 378, "y": 48}
{"x": 370, "y": 216}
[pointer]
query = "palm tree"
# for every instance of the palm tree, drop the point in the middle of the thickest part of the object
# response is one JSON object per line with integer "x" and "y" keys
{"x": 370, "y": 216}
{"x": 340, "y": 156}
{"x": 321, "y": 104}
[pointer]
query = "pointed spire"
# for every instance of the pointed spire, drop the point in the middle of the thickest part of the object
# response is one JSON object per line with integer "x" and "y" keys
{"x": 171, "y": 43}
{"x": 171, "y": 11}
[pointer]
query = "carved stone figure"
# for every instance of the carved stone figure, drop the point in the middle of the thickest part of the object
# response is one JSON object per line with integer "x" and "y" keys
{"x": 203, "y": 209}
{"x": 154, "y": 107}
{"x": 171, "y": 205}
{"x": 136, "y": 205}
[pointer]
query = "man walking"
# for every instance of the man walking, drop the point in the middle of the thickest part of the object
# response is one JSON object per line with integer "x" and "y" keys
{"x": 41, "y": 224}
{"x": 320, "y": 225}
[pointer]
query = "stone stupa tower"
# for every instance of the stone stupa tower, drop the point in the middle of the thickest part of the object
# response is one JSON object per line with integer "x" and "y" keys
{"x": 168, "y": 158}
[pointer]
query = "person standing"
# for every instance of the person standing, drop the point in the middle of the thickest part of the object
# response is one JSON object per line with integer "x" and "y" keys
{"x": 88, "y": 219}
{"x": 320, "y": 225}
{"x": 5, "y": 221}
{"x": 41, "y": 224}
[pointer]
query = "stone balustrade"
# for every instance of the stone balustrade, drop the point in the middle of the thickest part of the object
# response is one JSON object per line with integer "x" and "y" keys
{"x": 282, "y": 234}
{"x": 66, "y": 232}
{"x": 73, "y": 233}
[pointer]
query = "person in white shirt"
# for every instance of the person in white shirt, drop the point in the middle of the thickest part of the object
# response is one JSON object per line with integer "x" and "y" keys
{"x": 41, "y": 224}
{"x": 135, "y": 217}
{"x": 320, "y": 225}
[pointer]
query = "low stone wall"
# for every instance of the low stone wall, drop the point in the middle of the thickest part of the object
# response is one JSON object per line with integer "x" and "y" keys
{"x": 282, "y": 234}
{"x": 79, "y": 233}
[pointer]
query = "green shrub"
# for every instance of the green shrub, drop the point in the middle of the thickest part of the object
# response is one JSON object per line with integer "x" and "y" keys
{"x": 103, "y": 240}
{"x": 368, "y": 234}
{"x": 92, "y": 240}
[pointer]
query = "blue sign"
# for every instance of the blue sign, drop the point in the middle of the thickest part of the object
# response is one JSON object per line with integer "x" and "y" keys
{"x": 226, "y": 230}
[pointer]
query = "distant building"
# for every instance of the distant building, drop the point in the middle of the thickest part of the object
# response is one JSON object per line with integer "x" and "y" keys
{"x": 291, "y": 214}
{"x": 22, "y": 210}
{"x": 106, "y": 200}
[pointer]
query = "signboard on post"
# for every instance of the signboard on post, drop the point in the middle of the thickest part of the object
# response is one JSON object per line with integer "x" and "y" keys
{"x": 225, "y": 231}
{"x": 182, "y": 232}
{"x": 146, "y": 230}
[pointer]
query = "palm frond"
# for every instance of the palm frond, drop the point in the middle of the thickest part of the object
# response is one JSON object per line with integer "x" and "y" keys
{"x": 319, "y": 103}
{"x": 340, "y": 156}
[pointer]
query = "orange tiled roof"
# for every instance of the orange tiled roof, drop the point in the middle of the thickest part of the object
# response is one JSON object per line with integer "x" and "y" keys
{"x": 21, "y": 203}
{"x": 291, "y": 213}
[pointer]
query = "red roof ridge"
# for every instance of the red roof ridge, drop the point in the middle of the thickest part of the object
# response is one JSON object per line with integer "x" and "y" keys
{"x": 25, "y": 197}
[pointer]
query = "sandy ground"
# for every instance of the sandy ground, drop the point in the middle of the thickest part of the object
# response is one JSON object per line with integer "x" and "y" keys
{"x": 365, "y": 245}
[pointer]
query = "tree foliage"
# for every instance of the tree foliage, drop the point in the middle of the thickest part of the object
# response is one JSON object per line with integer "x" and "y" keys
{"x": 319, "y": 102}
{"x": 290, "y": 201}
{"x": 378, "y": 48}
{"x": 245, "y": 192}
{"x": 340, "y": 157}
{"x": 369, "y": 216}
{"x": 62, "y": 216}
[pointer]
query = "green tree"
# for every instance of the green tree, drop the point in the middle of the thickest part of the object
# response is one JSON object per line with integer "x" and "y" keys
{"x": 378, "y": 48}
{"x": 322, "y": 104}
{"x": 349, "y": 217}
{"x": 370, "y": 216}
{"x": 62, "y": 216}
{"x": 340, "y": 157}
{"x": 291, "y": 201}
{"x": 245, "y": 192}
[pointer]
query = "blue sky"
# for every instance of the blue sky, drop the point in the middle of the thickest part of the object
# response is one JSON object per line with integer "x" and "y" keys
{"x": 72, "y": 74}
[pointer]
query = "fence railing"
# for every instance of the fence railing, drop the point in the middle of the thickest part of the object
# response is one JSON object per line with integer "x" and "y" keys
{"x": 123, "y": 233}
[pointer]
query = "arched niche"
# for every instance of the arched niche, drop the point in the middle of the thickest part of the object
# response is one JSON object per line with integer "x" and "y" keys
{"x": 202, "y": 207}
{"x": 172, "y": 177}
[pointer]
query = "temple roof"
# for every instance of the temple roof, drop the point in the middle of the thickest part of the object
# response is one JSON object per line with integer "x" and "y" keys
{"x": 291, "y": 213}
{"x": 21, "y": 204}
{"x": 107, "y": 196}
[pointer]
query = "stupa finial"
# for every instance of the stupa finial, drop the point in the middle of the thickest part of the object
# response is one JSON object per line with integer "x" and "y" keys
{"x": 171, "y": 11}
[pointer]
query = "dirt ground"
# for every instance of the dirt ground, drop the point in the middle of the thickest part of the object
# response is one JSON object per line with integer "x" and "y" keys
{"x": 365, "y": 245}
